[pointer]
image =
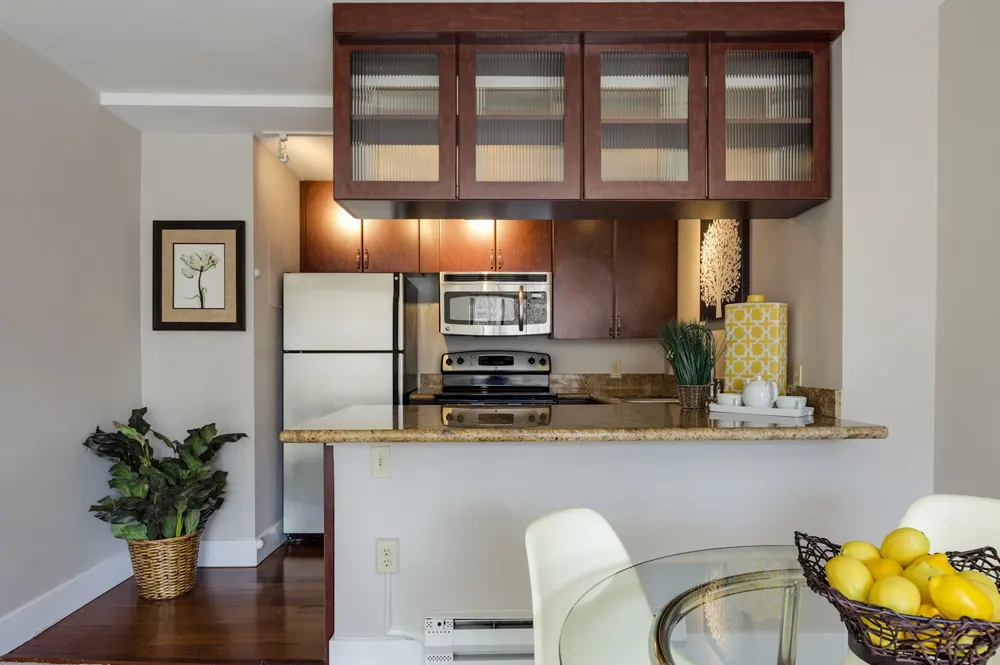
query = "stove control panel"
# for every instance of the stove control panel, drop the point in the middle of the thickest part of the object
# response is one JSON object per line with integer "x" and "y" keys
{"x": 494, "y": 362}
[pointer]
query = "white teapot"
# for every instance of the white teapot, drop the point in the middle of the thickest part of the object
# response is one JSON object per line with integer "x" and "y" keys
{"x": 760, "y": 393}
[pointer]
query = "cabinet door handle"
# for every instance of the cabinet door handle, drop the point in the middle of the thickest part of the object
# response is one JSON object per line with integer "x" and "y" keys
{"x": 618, "y": 329}
{"x": 366, "y": 259}
{"x": 357, "y": 260}
{"x": 499, "y": 259}
{"x": 491, "y": 259}
{"x": 611, "y": 326}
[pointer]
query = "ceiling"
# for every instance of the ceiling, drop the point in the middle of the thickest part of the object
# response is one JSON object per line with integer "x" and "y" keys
{"x": 310, "y": 157}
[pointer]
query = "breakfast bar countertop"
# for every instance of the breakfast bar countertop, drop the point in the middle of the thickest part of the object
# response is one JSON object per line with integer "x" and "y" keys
{"x": 565, "y": 423}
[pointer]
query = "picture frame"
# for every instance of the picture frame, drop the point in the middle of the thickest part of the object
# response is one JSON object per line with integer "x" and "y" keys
{"x": 723, "y": 266}
{"x": 199, "y": 275}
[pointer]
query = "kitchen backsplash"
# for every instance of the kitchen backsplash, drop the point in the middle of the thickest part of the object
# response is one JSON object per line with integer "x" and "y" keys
{"x": 568, "y": 356}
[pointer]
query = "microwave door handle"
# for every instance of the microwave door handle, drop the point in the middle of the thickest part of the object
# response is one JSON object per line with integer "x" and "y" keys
{"x": 521, "y": 315}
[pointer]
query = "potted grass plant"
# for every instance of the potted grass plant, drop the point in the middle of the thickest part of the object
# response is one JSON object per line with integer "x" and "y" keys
{"x": 161, "y": 503}
{"x": 692, "y": 351}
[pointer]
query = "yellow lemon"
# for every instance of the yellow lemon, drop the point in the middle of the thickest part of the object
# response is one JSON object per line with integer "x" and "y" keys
{"x": 880, "y": 568}
{"x": 920, "y": 572}
{"x": 928, "y": 611}
{"x": 849, "y": 576}
{"x": 896, "y": 593}
{"x": 904, "y": 545}
{"x": 880, "y": 635}
{"x": 986, "y": 585}
{"x": 940, "y": 561}
{"x": 859, "y": 549}
{"x": 957, "y": 597}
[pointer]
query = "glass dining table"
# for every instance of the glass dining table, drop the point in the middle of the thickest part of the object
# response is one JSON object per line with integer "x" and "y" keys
{"x": 732, "y": 606}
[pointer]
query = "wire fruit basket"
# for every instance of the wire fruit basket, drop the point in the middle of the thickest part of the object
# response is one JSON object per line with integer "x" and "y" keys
{"x": 885, "y": 636}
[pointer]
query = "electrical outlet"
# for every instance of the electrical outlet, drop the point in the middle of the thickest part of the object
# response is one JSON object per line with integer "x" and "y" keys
{"x": 616, "y": 369}
{"x": 381, "y": 462}
{"x": 387, "y": 556}
{"x": 797, "y": 376}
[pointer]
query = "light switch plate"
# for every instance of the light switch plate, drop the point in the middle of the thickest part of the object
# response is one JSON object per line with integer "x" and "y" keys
{"x": 381, "y": 462}
{"x": 616, "y": 369}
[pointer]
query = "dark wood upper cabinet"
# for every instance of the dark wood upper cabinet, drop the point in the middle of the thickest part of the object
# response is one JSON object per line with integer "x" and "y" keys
{"x": 644, "y": 121}
{"x": 330, "y": 239}
{"x": 390, "y": 245}
{"x": 430, "y": 245}
{"x": 769, "y": 120}
{"x": 583, "y": 279}
{"x": 468, "y": 245}
{"x": 524, "y": 245}
{"x": 394, "y": 110}
{"x": 645, "y": 276}
{"x": 519, "y": 121}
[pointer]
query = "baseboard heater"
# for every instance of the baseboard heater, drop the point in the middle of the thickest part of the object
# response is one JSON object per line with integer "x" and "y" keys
{"x": 478, "y": 638}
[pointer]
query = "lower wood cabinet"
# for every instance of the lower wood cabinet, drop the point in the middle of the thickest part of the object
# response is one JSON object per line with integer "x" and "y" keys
{"x": 613, "y": 279}
{"x": 468, "y": 245}
{"x": 524, "y": 245}
{"x": 507, "y": 245}
{"x": 390, "y": 245}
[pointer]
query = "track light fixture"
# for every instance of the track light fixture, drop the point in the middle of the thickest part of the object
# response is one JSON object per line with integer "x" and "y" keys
{"x": 282, "y": 155}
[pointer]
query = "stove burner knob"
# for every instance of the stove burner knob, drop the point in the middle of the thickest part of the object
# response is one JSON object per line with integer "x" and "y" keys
{"x": 449, "y": 417}
{"x": 531, "y": 418}
{"x": 543, "y": 362}
{"x": 531, "y": 361}
{"x": 448, "y": 361}
{"x": 461, "y": 419}
{"x": 461, "y": 360}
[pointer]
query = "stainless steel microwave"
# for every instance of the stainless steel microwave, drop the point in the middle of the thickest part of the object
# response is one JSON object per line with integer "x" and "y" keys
{"x": 496, "y": 304}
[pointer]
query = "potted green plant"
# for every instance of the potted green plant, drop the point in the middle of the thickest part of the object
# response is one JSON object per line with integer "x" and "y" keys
{"x": 692, "y": 351}
{"x": 162, "y": 503}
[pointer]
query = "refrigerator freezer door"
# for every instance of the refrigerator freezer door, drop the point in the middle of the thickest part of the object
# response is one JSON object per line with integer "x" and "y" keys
{"x": 341, "y": 312}
{"x": 315, "y": 385}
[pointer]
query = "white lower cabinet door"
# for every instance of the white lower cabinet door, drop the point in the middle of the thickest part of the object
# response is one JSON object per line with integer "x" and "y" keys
{"x": 316, "y": 384}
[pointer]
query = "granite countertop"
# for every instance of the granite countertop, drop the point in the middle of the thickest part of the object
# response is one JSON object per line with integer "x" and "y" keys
{"x": 562, "y": 423}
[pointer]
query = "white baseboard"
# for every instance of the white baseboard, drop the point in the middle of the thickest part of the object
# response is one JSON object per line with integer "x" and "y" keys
{"x": 228, "y": 553}
{"x": 33, "y": 617}
{"x": 376, "y": 652}
{"x": 269, "y": 539}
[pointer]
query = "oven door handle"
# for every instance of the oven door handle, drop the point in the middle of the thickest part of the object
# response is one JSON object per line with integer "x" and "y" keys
{"x": 521, "y": 314}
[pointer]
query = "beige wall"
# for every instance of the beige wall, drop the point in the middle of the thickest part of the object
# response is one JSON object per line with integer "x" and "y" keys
{"x": 276, "y": 251}
{"x": 966, "y": 452}
{"x": 69, "y": 336}
{"x": 190, "y": 378}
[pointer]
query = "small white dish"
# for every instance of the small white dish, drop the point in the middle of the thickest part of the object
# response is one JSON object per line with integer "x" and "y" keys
{"x": 790, "y": 402}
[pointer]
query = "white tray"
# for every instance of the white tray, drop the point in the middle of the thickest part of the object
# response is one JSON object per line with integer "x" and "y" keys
{"x": 762, "y": 411}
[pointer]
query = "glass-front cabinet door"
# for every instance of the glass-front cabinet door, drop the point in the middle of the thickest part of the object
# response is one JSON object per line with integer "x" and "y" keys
{"x": 644, "y": 121}
{"x": 394, "y": 121}
{"x": 519, "y": 121}
{"x": 769, "y": 121}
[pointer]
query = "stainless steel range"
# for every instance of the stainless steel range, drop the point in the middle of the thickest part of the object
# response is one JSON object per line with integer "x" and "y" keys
{"x": 498, "y": 378}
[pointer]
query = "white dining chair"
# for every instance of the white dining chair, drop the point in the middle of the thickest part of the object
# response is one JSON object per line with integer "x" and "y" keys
{"x": 569, "y": 552}
{"x": 954, "y": 523}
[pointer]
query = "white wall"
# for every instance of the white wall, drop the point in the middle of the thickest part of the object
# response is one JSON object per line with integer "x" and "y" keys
{"x": 69, "y": 338}
{"x": 276, "y": 251}
{"x": 968, "y": 235}
{"x": 190, "y": 378}
{"x": 461, "y": 533}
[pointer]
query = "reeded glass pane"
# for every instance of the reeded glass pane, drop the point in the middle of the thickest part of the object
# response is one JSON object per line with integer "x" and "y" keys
{"x": 644, "y": 116}
{"x": 519, "y": 116}
{"x": 394, "y": 116}
{"x": 768, "y": 116}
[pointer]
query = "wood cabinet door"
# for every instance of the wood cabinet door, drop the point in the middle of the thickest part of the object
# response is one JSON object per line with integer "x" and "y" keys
{"x": 583, "y": 279}
{"x": 468, "y": 245}
{"x": 394, "y": 107}
{"x": 645, "y": 276}
{"x": 769, "y": 121}
{"x": 524, "y": 245}
{"x": 430, "y": 245}
{"x": 519, "y": 121}
{"x": 390, "y": 245}
{"x": 644, "y": 121}
{"x": 330, "y": 239}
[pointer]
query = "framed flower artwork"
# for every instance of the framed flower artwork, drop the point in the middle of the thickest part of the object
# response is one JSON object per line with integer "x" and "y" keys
{"x": 199, "y": 276}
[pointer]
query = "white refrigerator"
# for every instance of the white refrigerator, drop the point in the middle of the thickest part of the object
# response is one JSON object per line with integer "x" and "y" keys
{"x": 345, "y": 339}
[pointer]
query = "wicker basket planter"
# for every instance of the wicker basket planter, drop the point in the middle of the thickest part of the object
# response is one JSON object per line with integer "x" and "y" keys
{"x": 165, "y": 568}
{"x": 694, "y": 397}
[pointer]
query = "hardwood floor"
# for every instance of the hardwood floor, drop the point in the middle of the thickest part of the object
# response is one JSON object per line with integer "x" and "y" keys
{"x": 270, "y": 615}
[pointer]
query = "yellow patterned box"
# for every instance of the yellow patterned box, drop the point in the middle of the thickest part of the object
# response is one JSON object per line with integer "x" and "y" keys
{"x": 758, "y": 343}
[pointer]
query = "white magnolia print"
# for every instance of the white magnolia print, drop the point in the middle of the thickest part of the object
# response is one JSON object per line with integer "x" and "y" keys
{"x": 195, "y": 265}
{"x": 721, "y": 263}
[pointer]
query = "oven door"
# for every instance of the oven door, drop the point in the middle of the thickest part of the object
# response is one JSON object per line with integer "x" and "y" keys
{"x": 496, "y": 304}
